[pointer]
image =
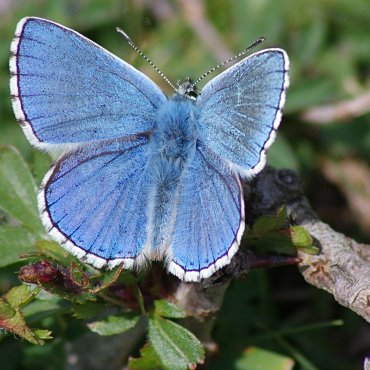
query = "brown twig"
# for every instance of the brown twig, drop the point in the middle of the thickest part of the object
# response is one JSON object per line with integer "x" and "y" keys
{"x": 342, "y": 267}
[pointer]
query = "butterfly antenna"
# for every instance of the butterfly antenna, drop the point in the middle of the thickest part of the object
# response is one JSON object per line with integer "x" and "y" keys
{"x": 243, "y": 52}
{"x": 136, "y": 48}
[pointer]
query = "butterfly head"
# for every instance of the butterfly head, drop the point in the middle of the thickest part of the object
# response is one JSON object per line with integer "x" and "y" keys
{"x": 187, "y": 89}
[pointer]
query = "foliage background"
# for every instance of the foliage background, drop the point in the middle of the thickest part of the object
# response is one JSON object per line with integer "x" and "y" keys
{"x": 328, "y": 44}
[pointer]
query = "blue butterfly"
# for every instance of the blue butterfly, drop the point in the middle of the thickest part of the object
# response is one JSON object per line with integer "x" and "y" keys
{"x": 141, "y": 176}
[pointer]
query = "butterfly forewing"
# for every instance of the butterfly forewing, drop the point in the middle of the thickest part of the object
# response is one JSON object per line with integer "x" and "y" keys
{"x": 67, "y": 89}
{"x": 240, "y": 110}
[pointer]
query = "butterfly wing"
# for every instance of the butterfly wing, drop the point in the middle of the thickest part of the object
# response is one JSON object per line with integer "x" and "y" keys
{"x": 240, "y": 110}
{"x": 93, "y": 201}
{"x": 67, "y": 89}
{"x": 210, "y": 218}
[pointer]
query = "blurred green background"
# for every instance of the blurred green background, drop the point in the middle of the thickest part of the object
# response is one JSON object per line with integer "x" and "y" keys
{"x": 325, "y": 136}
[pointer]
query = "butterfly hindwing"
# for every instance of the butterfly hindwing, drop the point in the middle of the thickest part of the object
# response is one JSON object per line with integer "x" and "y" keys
{"x": 94, "y": 199}
{"x": 209, "y": 219}
{"x": 240, "y": 110}
{"x": 67, "y": 89}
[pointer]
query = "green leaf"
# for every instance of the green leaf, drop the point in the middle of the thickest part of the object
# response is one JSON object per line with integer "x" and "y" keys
{"x": 140, "y": 299}
{"x": 108, "y": 279}
{"x": 128, "y": 278}
{"x": 12, "y": 319}
{"x": 266, "y": 224}
{"x": 149, "y": 360}
{"x": 45, "y": 305}
{"x": 116, "y": 324}
{"x": 87, "y": 310}
{"x": 168, "y": 309}
{"x": 6, "y": 310}
{"x": 301, "y": 238}
{"x": 42, "y": 334}
{"x": 310, "y": 250}
{"x": 78, "y": 276}
{"x": 54, "y": 250}
{"x": 177, "y": 347}
{"x": 256, "y": 359}
{"x": 41, "y": 163}
{"x": 18, "y": 189}
{"x": 17, "y": 325}
{"x": 276, "y": 242}
{"x": 13, "y": 242}
{"x": 21, "y": 295}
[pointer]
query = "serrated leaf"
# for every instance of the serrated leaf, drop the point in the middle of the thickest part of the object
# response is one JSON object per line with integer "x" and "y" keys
{"x": 301, "y": 238}
{"x": 42, "y": 334}
{"x": 6, "y": 310}
{"x": 20, "y": 295}
{"x": 177, "y": 347}
{"x": 256, "y": 358}
{"x": 78, "y": 276}
{"x": 266, "y": 224}
{"x": 18, "y": 189}
{"x": 17, "y": 325}
{"x": 168, "y": 309}
{"x": 13, "y": 242}
{"x": 116, "y": 324}
{"x": 149, "y": 360}
{"x": 108, "y": 279}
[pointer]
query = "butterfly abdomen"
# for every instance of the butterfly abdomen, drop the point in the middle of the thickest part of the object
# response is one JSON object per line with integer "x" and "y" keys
{"x": 172, "y": 149}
